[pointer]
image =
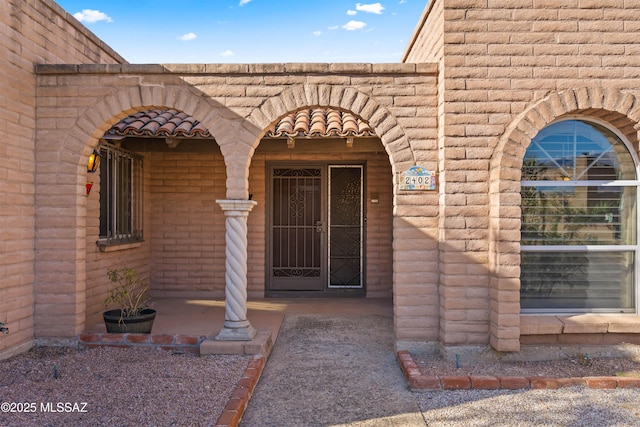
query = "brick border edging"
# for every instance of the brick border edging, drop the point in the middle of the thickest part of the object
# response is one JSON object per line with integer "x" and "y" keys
{"x": 234, "y": 410}
{"x": 418, "y": 382}
{"x": 178, "y": 343}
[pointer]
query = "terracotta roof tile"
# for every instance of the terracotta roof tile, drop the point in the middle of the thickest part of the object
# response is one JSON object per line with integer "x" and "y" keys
{"x": 318, "y": 122}
{"x": 325, "y": 122}
{"x": 160, "y": 123}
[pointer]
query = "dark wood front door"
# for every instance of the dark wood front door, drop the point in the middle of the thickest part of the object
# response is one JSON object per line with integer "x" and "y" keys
{"x": 315, "y": 225}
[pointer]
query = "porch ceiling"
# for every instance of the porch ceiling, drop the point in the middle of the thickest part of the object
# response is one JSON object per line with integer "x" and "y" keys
{"x": 310, "y": 122}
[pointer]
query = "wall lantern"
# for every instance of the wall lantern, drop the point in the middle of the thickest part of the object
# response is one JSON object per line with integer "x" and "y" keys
{"x": 94, "y": 161}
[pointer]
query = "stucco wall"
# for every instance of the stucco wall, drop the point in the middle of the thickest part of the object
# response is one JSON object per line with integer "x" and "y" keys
{"x": 31, "y": 31}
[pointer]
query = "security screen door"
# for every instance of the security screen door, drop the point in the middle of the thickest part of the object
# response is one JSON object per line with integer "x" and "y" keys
{"x": 316, "y": 228}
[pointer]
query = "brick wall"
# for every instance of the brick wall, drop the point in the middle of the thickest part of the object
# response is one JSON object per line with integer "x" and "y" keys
{"x": 510, "y": 68}
{"x": 98, "y": 263}
{"x": 505, "y": 70}
{"x": 237, "y": 103}
{"x": 378, "y": 227}
{"x": 427, "y": 43}
{"x": 187, "y": 234}
{"x": 31, "y": 31}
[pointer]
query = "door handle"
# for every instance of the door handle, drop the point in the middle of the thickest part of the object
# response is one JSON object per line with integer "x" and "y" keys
{"x": 319, "y": 226}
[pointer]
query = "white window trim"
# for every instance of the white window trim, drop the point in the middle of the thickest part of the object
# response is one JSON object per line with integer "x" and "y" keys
{"x": 603, "y": 248}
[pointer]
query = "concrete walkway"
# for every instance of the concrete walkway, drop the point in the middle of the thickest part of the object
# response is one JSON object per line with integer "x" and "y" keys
{"x": 332, "y": 370}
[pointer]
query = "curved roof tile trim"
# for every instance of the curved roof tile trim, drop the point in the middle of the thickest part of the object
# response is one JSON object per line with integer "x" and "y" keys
{"x": 160, "y": 123}
{"x": 318, "y": 122}
{"x": 326, "y": 122}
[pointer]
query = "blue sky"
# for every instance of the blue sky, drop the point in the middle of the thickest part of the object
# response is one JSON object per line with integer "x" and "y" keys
{"x": 251, "y": 31}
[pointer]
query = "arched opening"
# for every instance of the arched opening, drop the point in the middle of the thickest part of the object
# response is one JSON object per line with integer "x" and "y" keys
{"x": 323, "y": 183}
{"x": 611, "y": 109}
{"x": 153, "y": 206}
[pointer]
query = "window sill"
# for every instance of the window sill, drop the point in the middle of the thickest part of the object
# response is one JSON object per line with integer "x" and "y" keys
{"x": 122, "y": 247}
{"x": 580, "y": 324}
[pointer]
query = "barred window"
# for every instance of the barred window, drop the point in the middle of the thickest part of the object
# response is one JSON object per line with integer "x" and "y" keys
{"x": 579, "y": 213}
{"x": 121, "y": 185}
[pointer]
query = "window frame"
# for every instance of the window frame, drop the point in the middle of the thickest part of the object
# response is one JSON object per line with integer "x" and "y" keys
{"x": 593, "y": 248}
{"x": 118, "y": 227}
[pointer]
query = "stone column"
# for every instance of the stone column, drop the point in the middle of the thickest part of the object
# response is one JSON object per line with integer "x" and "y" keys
{"x": 236, "y": 326}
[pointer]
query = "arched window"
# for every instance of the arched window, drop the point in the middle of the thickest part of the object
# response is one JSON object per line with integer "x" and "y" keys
{"x": 579, "y": 212}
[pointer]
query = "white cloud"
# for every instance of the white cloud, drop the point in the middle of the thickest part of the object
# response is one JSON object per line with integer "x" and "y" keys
{"x": 354, "y": 25}
{"x": 187, "y": 37}
{"x": 333, "y": 27}
{"x": 227, "y": 53}
{"x": 402, "y": 1}
{"x": 317, "y": 33}
{"x": 351, "y": 12}
{"x": 243, "y": 2}
{"x": 90, "y": 16}
{"x": 376, "y": 8}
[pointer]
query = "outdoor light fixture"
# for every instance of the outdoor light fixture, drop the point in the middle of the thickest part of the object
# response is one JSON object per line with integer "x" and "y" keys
{"x": 94, "y": 161}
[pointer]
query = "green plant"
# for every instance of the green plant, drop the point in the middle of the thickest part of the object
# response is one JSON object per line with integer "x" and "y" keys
{"x": 129, "y": 292}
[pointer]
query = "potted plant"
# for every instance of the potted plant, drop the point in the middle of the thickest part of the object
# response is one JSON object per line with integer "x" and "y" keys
{"x": 129, "y": 293}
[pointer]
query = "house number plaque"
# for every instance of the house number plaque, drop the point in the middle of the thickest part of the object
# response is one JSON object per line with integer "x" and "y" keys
{"x": 418, "y": 178}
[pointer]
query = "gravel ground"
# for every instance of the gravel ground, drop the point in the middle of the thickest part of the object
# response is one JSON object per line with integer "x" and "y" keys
{"x": 332, "y": 370}
{"x": 567, "y": 407}
{"x": 578, "y": 366}
{"x": 157, "y": 388}
{"x": 115, "y": 387}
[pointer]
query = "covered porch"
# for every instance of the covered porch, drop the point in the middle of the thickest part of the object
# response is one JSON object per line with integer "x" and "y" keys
{"x": 191, "y": 324}
{"x": 198, "y": 188}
